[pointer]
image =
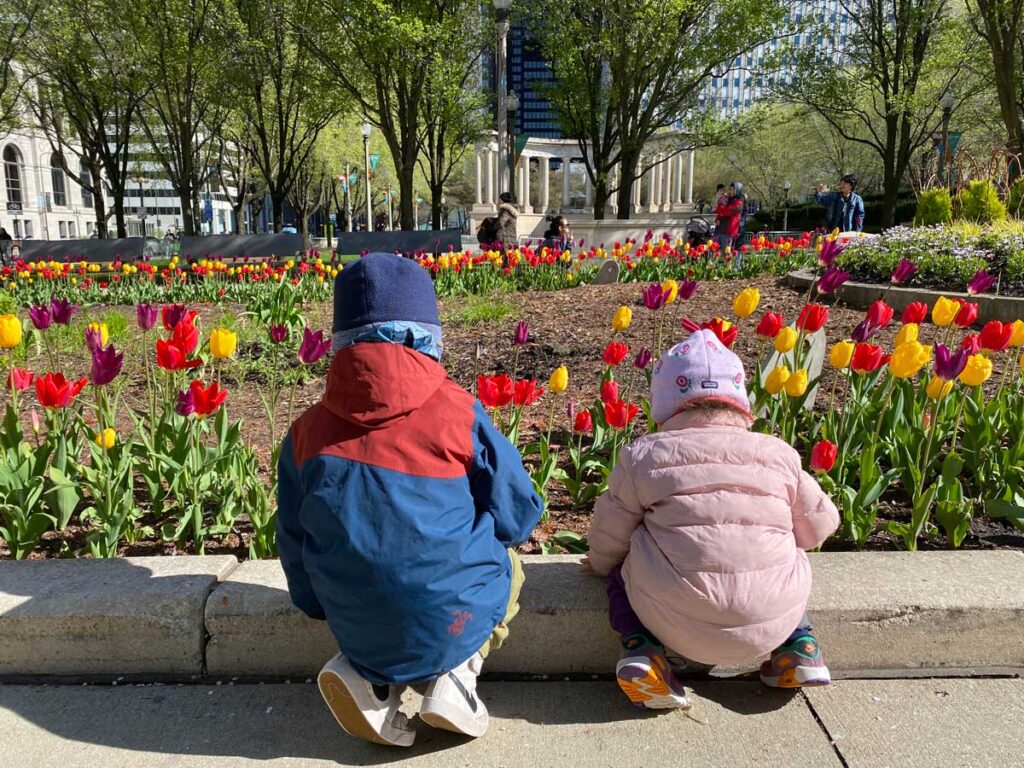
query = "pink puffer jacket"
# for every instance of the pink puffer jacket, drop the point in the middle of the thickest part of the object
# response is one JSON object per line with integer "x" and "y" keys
{"x": 710, "y": 522}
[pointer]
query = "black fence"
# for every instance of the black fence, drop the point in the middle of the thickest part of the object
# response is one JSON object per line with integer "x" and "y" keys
{"x": 429, "y": 241}
{"x": 281, "y": 245}
{"x": 125, "y": 249}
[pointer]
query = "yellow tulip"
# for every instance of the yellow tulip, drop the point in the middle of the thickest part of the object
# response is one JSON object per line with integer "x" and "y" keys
{"x": 10, "y": 331}
{"x": 977, "y": 372}
{"x": 796, "y": 384}
{"x": 559, "y": 379}
{"x": 908, "y": 359}
{"x": 938, "y": 388}
{"x": 776, "y": 380}
{"x": 746, "y": 302}
{"x": 671, "y": 290}
{"x": 623, "y": 317}
{"x": 908, "y": 332}
{"x": 106, "y": 439}
{"x": 945, "y": 310}
{"x": 1017, "y": 340}
{"x": 785, "y": 340}
{"x": 223, "y": 343}
{"x": 841, "y": 354}
{"x": 101, "y": 329}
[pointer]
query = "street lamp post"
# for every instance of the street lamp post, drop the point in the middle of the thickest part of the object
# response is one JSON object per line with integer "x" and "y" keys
{"x": 142, "y": 205}
{"x": 366, "y": 130}
{"x": 513, "y": 105}
{"x": 945, "y": 157}
{"x": 501, "y": 9}
{"x": 786, "y": 186}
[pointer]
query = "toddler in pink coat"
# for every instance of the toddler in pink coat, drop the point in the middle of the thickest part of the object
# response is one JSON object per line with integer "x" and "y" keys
{"x": 702, "y": 536}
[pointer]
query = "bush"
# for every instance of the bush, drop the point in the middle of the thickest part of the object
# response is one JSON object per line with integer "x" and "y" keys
{"x": 946, "y": 257}
{"x": 1015, "y": 205}
{"x": 934, "y": 206}
{"x": 980, "y": 202}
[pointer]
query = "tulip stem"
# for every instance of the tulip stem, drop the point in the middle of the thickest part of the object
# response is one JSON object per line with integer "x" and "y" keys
{"x": 956, "y": 424}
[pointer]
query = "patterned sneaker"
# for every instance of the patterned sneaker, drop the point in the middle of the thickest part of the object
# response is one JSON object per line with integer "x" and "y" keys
{"x": 364, "y": 710}
{"x": 451, "y": 701}
{"x": 644, "y": 675}
{"x": 795, "y": 665}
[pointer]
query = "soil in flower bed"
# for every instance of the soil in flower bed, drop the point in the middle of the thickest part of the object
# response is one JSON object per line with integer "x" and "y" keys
{"x": 567, "y": 327}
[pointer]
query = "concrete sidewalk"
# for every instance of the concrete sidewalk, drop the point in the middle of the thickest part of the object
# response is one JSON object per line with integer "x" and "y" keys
{"x": 862, "y": 723}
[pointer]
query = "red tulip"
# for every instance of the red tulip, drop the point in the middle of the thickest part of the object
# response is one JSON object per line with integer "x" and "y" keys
{"x": 726, "y": 335}
{"x": 971, "y": 343}
{"x": 880, "y": 314}
{"x": 54, "y": 391}
{"x": 584, "y": 422}
{"x": 770, "y": 325}
{"x": 207, "y": 400}
{"x": 967, "y": 315}
{"x": 494, "y": 391}
{"x": 171, "y": 357}
{"x": 996, "y": 336}
{"x": 619, "y": 413}
{"x": 823, "y": 456}
{"x": 812, "y": 318}
{"x": 615, "y": 353}
{"x": 186, "y": 336}
{"x": 19, "y": 379}
{"x": 526, "y": 392}
{"x": 916, "y": 312}
{"x": 172, "y": 314}
{"x": 609, "y": 391}
{"x": 867, "y": 358}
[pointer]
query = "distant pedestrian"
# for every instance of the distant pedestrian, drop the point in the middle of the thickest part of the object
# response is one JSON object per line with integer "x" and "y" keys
{"x": 6, "y": 245}
{"x": 845, "y": 208}
{"x": 508, "y": 215}
{"x": 720, "y": 195}
{"x": 729, "y": 216}
{"x": 558, "y": 237}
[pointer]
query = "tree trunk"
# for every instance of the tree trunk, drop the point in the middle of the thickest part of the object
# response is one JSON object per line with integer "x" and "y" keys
{"x": 304, "y": 229}
{"x": 188, "y": 219}
{"x": 100, "y": 208}
{"x": 891, "y": 191}
{"x": 119, "y": 222}
{"x": 436, "y": 193}
{"x": 627, "y": 178}
{"x": 601, "y": 196}
{"x": 407, "y": 195}
{"x": 277, "y": 207}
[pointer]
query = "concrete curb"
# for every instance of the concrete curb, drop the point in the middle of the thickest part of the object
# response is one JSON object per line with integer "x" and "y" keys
{"x": 1005, "y": 309}
{"x": 877, "y": 614}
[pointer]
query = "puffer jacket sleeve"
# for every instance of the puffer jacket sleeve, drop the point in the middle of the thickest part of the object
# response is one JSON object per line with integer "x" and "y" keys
{"x": 815, "y": 517}
{"x": 290, "y": 535}
{"x": 617, "y": 513}
{"x": 500, "y": 484}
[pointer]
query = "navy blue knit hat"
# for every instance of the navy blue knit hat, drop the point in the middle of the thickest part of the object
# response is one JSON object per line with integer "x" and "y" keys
{"x": 379, "y": 294}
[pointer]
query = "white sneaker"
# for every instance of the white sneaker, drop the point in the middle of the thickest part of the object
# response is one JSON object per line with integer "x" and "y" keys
{"x": 451, "y": 702}
{"x": 359, "y": 710}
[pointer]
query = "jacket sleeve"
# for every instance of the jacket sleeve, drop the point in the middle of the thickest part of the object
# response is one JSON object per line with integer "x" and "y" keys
{"x": 815, "y": 517}
{"x": 858, "y": 214}
{"x": 290, "y": 535}
{"x": 500, "y": 485}
{"x": 825, "y": 198}
{"x": 617, "y": 514}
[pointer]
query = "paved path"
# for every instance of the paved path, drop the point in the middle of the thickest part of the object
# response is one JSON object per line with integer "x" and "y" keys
{"x": 859, "y": 723}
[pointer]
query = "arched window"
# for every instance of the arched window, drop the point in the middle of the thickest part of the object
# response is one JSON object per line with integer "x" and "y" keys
{"x": 12, "y": 177}
{"x": 86, "y": 176}
{"x": 60, "y": 185}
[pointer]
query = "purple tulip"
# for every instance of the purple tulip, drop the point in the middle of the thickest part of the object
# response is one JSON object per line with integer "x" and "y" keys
{"x": 831, "y": 279}
{"x": 864, "y": 331}
{"x": 93, "y": 339}
{"x": 186, "y": 403}
{"x": 830, "y": 250}
{"x": 643, "y": 358}
{"x": 106, "y": 365}
{"x": 904, "y": 271}
{"x": 278, "y": 333}
{"x": 145, "y": 316}
{"x": 949, "y": 366}
{"x": 654, "y": 297}
{"x": 42, "y": 317}
{"x": 522, "y": 334}
{"x": 313, "y": 347}
{"x": 648, "y": 236}
{"x": 62, "y": 311}
{"x": 570, "y": 411}
{"x": 981, "y": 282}
{"x": 686, "y": 289}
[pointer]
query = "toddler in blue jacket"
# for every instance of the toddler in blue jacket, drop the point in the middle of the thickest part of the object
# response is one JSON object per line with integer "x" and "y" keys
{"x": 398, "y": 505}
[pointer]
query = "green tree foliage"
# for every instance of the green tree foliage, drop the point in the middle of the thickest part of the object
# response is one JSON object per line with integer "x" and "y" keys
{"x": 934, "y": 206}
{"x": 628, "y": 70}
{"x": 979, "y": 202}
{"x": 1000, "y": 24}
{"x": 1015, "y": 203}
{"x": 16, "y": 23}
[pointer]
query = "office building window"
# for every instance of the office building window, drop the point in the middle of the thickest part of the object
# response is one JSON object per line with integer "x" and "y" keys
{"x": 86, "y": 177}
{"x": 60, "y": 190}
{"x": 28, "y": 229}
{"x": 12, "y": 175}
{"x": 72, "y": 232}
{"x": 63, "y": 227}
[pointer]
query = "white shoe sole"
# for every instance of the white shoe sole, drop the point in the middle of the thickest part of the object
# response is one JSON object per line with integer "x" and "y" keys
{"x": 652, "y": 690}
{"x": 438, "y": 713}
{"x": 343, "y": 705}
{"x": 802, "y": 677}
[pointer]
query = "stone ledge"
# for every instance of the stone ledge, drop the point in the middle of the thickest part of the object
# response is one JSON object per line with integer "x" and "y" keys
{"x": 132, "y": 616}
{"x": 1005, "y": 309}
{"x": 876, "y": 614}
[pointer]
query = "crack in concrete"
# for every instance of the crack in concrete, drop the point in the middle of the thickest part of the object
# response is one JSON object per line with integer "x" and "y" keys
{"x": 824, "y": 729}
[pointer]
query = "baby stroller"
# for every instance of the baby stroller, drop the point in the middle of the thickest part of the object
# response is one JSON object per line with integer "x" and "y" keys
{"x": 698, "y": 231}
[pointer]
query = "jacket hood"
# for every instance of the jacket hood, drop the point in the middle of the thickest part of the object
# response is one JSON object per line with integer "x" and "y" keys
{"x": 510, "y": 209}
{"x": 375, "y": 383}
{"x": 738, "y": 185}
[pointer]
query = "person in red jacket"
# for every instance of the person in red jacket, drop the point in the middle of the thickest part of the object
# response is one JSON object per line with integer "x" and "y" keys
{"x": 729, "y": 216}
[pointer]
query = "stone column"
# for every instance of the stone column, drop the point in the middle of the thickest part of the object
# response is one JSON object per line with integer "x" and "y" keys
{"x": 666, "y": 199}
{"x": 638, "y": 183}
{"x": 489, "y": 158}
{"x": 689, "y": 178}
{"x": 677, "y": 193}
{"x": 525, "y": 188}
{"x": 654, "y": 186}
{"x": 566, "y": 180}
{"x": 588, "y": 193}
{"x": 479, "y": 179}
{"x": 613, "y": 201}
{"x": 545, "y": 184}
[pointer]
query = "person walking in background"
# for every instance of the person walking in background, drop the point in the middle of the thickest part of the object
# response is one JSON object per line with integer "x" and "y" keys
{"x": 508, "y": 225}
{"x": 6, "y": 245}
{"x": 845, "y": 208}
{"x": 558, "y": 237}
{"x": 729, "y": 216}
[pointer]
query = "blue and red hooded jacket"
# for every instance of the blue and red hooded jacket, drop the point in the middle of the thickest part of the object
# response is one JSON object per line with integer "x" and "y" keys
{"x": 397, "y": 501}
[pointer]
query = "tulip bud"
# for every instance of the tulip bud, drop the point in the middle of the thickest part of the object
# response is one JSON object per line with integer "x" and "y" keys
{"x": 823, "y": 456}
{"x": 785, "y": 340}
